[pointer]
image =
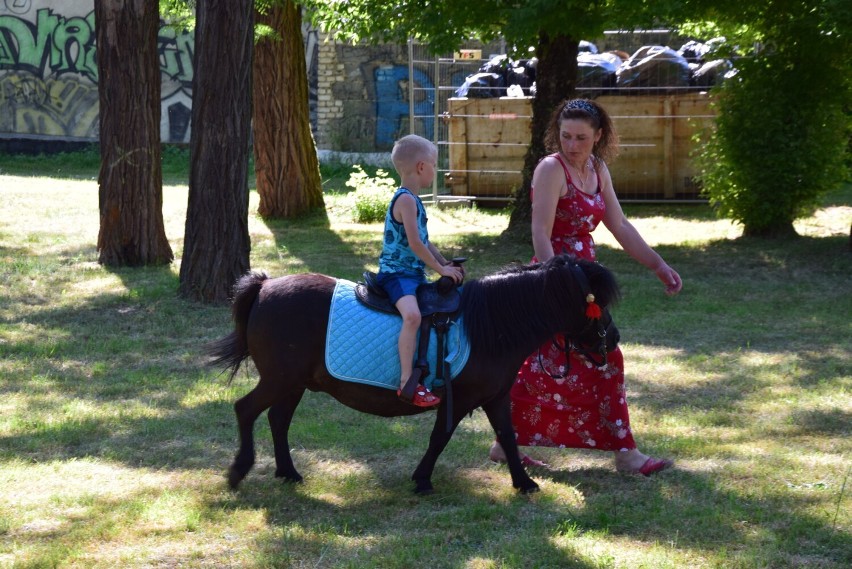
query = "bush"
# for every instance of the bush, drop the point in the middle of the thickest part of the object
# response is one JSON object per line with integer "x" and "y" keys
{"x": 781, "y": 136}
{"x": 372, "y": 194}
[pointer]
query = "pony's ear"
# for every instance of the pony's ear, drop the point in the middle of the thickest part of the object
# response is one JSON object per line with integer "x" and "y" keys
{"x": 603, "y": 284}
{"x": 560, "y": 262}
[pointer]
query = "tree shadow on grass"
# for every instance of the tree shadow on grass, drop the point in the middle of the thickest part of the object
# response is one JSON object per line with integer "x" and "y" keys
{"x": 697, "y": 511}
{"x": 333, "y": 514}
{"x": 139, "y": 349}
{"x": 311, "y": 245}
{"x": 687, "y": 512}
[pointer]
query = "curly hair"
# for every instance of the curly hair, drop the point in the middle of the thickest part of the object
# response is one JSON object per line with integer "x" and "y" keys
{"x": 606, "y": 148}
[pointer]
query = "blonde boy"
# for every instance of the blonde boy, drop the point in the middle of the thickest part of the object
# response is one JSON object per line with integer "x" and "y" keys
{"x": 406, "y": 251}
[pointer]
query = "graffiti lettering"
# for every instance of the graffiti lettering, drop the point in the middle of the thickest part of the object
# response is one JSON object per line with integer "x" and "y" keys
{"x": 49, "y": 107}
{"x": 48, "y": 76}
{"x": 392, "y": 102}
{"x": 176, "y": 54}
{"x": 18, "y": 6}
{"x": 52, "y": 46}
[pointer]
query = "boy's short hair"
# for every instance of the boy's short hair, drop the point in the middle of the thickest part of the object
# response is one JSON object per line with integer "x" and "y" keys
{"x": 409, "y": 150}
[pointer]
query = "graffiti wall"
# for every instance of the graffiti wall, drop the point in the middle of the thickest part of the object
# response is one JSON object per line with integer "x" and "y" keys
{"x": 359, "y": 95}
{"x": 48, "y": 72}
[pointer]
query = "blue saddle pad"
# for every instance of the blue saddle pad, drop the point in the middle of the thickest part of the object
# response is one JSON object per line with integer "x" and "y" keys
{"x": 361, "y": 343}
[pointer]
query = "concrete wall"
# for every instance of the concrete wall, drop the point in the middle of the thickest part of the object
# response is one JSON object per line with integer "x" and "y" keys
{"x": 48, "y": 81}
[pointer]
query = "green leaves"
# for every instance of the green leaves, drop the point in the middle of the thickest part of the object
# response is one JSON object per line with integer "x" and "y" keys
{"x": 781, "y": 127}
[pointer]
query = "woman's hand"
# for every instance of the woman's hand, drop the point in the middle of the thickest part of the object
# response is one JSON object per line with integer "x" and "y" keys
{"x": 669, "y": 278}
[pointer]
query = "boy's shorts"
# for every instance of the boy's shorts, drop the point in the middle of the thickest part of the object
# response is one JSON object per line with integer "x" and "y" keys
{"x": 398, "y": 285}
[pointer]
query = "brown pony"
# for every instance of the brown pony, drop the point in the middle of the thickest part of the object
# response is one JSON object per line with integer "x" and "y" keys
{"x": 281, "y": 324}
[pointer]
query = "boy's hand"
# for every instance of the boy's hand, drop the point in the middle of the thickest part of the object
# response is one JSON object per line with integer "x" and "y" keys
{"x": 452, "y": 271}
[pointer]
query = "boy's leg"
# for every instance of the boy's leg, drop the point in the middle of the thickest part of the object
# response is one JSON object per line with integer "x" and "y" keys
{"x": 416, "y": 394}
{"x": 410, "y": 311}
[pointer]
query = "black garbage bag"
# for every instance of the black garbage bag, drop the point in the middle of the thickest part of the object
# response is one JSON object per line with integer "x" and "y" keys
{"x": 519, "y": 76}
{"x": 597, "y": 70}
{"x": 496, "y": 75}
{"x": 587, "y": 47}
{"x": 694, "y": 51}
{"x": 653, "y": 68}
{"x": 482, "y": 86}
{"x": 498, "y": 64}
{"x": 711, "y": 73}
{"x": 529, "y": 66}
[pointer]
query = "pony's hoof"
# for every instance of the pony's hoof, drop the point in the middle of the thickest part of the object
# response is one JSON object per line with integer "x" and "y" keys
{"x": 234, "y": 478}
{"x": 529, "y": 489}
{"x": 291, "y": 477}
{"x": 424, "y": 488}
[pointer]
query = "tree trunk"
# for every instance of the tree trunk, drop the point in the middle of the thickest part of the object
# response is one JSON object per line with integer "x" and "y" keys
{"x": 130, "y": 182}
{"x": 285, "y": 156}
{"x": 780, "y": 230}
{"x": 216, "y": 241}
{"x": 556, "y": 80}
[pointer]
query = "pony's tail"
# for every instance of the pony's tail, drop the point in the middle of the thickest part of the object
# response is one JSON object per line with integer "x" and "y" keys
{"x": 232, "y": 350}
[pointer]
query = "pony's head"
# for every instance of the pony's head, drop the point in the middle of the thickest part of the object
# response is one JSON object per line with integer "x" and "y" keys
{"x": 513, "y": 306}
{"x": 599, "y": 335}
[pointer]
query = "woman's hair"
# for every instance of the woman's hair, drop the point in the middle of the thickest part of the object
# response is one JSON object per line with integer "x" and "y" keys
{"x": 606, "y": 148}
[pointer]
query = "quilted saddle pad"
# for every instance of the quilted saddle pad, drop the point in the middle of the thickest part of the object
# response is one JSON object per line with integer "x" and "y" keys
{"x": 361, "y": 343}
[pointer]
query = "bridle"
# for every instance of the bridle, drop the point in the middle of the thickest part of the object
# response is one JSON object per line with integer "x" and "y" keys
{"x": 599, "y": 324}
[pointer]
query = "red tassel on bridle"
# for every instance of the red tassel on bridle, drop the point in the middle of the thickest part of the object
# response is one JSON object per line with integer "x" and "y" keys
{"x": 593, "y": 311}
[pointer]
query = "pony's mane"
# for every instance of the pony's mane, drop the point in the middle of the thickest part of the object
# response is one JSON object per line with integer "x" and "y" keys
{"x": 507, "y": 308}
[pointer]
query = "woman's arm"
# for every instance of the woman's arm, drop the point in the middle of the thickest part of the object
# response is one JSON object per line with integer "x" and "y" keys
{"x": 549, "y": 182}
{"x": 629, "y": 238}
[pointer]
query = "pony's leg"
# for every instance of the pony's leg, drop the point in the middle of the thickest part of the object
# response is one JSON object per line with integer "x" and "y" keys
{"x": 437, "y": 443}
{"x": 280, "y": 415}
{"x": 247, "y": 408}
{"x": 500, "y": 416}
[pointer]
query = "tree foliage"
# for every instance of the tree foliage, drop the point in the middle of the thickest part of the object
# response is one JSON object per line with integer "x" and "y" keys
{"x": 783, "y": 121}
{"x": 552, "y": 30}
{"x": 443, "y": 25}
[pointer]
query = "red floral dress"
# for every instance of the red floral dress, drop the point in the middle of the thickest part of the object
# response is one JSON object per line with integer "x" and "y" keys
{"x": 587, "y": 408}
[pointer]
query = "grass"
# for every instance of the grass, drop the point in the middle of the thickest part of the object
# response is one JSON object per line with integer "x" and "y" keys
{"x": 114, "y": 436}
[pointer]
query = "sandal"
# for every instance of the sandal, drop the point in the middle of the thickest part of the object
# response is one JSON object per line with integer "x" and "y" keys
{"x": 651, "y": 466}
{"x": 422, "y": 397}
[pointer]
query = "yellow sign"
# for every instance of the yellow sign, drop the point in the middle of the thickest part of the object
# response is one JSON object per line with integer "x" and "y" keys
{"x": 467, "y": 54}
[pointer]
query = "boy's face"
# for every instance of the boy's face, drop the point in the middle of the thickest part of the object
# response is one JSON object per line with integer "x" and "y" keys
{"x": 426, "y": 169}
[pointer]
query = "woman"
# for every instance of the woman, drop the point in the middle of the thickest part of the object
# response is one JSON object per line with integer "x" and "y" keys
{"x": 575, "y": 404}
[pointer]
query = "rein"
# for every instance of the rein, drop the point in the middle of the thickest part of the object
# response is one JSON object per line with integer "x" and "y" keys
{"x": 594, "y": 318}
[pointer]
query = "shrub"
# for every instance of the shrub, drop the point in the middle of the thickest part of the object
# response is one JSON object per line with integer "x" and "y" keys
{"x": 372, "y": 194}
{"x": 781, "y": 133}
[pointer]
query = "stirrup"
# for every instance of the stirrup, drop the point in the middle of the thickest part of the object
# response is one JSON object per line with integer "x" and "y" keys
{"x": 406, "y": 393}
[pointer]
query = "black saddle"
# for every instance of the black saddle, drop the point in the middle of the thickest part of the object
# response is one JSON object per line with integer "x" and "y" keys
{"x": 439, "y": 303}
{"x": 439, "y": 296}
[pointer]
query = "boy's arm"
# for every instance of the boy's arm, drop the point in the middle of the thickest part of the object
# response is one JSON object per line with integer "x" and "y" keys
{"x": 437, "y": 254}
{"x": 405, "y": 209}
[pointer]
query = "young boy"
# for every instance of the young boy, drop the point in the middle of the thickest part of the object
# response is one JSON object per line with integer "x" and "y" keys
{"x": 406, "y": 251}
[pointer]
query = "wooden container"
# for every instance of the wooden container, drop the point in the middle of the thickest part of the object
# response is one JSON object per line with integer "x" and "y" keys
{"x": 488, "y": 140}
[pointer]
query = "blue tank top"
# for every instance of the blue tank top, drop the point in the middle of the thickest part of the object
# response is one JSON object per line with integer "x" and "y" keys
{"x": 397, "y": 256}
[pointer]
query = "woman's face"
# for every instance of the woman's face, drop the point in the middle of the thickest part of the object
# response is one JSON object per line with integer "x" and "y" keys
{"x": 576, "y": 139}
